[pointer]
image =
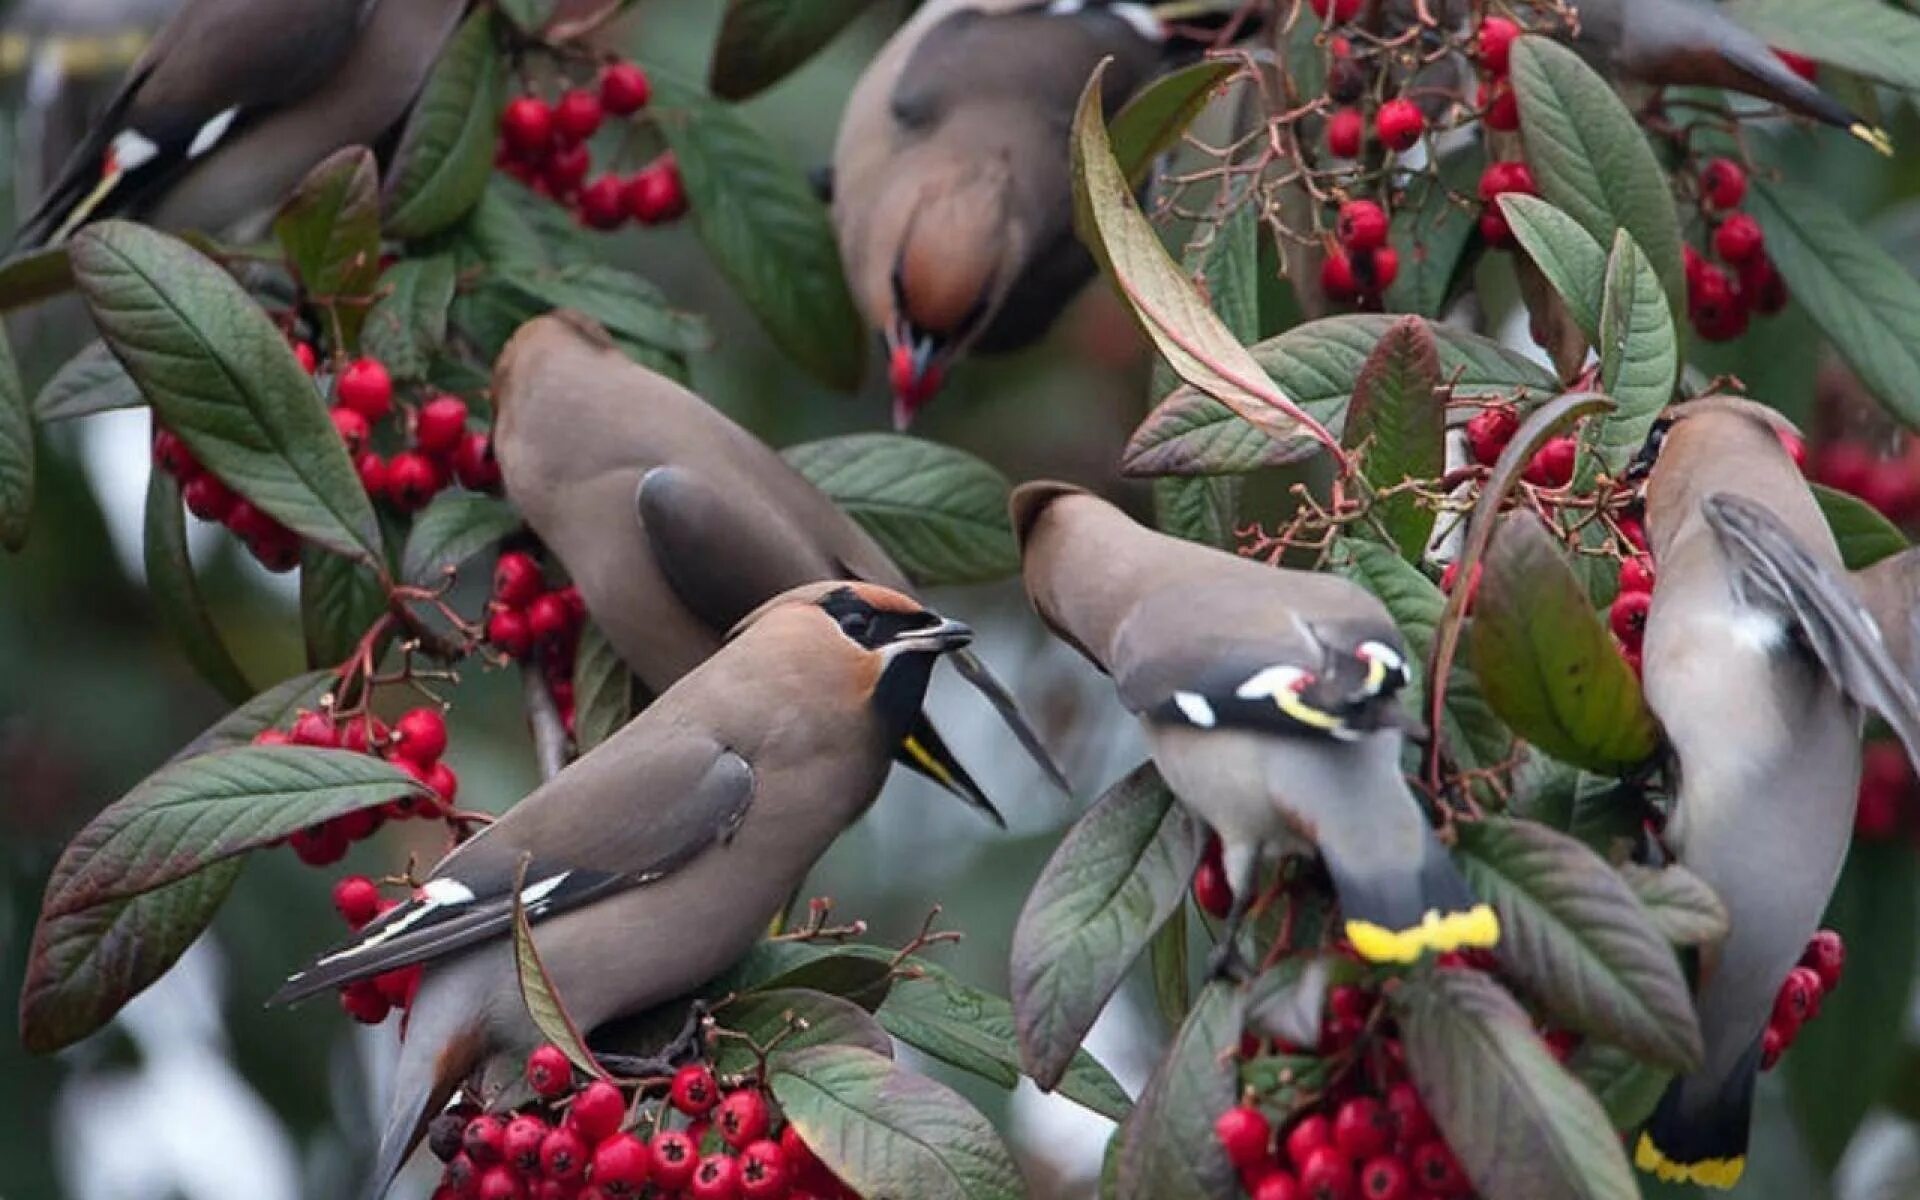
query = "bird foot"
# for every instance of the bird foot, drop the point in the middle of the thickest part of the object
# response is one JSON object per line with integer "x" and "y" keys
{"x": 670, "y": 1057}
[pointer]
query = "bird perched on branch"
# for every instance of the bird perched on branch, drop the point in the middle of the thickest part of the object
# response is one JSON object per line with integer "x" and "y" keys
{"x": 235, "y": 101}
{"x": 650, "y": 865}
{"x": 1269, "y": 702}
{"x": 674, "y": 522}
{"x": 1759, "y": 660}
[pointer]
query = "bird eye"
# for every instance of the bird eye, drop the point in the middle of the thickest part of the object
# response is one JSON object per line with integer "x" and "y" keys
{"x": 856, "y": 625}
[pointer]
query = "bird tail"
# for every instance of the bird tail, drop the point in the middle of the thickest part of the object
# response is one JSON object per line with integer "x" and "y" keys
{"x": 1395, "y": 915}
{"x": 1698, "y": 1133}
{"x": 443, "y": 1041}
{"x": 925, "y": 751}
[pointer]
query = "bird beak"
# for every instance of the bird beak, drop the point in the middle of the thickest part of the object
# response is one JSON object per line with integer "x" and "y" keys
{"x": 947, "y": 635}
{"x": 913, "y": 371}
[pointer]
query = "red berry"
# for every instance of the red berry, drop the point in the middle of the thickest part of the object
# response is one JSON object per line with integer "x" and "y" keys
{"x": 1503, "y": 177}
{"x": 303, "y": 354}
{"x": 694, "y": 1091}
{"x": 485, "y": 1140}
{"x": 1435, "y": 1169}
{"x": 1628, "y": 617}
{"x": 352, "y": 428}
{"x": 1277, "y": 1185}
{"x": 319, "y": 845}
{"x": 366, "y": 388}
{"x": 1636, "y": 575}
{"x": 742, "y": 1117}
{"x": 1806, "y": 68}
{"x": 1723, "y": 183}
{"x": 1312, "y": 1133}
{"x": 577, "y": 117}
{"x": 474, "y": 465}
{"x": 1399, "y": 124}
{"x": 1361, "y": 226}
{"x": 716, "y": 1178}
{"x": 597, "y": 1111}
{"x": 1764, "y": 289}
{"x": 1327, "y": 1175}
{"x": 548, "y": 1072}
{"x": 763, "y": 1171}
{"x": 364, "y": 1003}
{"x": 1499, "y": 107}
{"x": 441, "y": 424}
{"x": 1773, "y": 1043}
{"x": 1411, "y": 1121}
{"x": 620, "y": 1165}
{"x": 1336, "y": 11}
{"x": 1385, "y": 1178}
{"x": 1827, "y": 954}
{"x": 1489, "y": 432}
{"x": 1717, "y": 311}
{"x": 527, "y": 126}
{"x": 423, "y": 736}
{"x": 655, "y": 195}
{"x": 563, "y": 1156}
{"x": 1493, "y": 44}
{"x": 1211, "y": 891}
{"x": 1351, "y": 1003}
{"x": 171, "y": 455}
{"x": 624, "y": 89}
{"x": 601, "y": 204}
{"x": 1844, "y": 466}
{"x": 567, "y": 170}
{"x": 1796, "y": 448}
{"x": 576, "y": 606}
{"x": 208, "y": 498}
{"x": 272, "y": 737}
{"x": 412, "y": 480}
{"x": 548, "y": 618}
{"x": 1805, "y": 982}
{"x": 508, "y": 633}
{"x": 357, "y": 900}
{"x": 1243, "y": 1133}
{"x": 1384, "y": 269}
{"x": 1363, "y": 1129}
{"x": 1346, "y": 131}
{"x": 1739, "y": 239}
{"x": 278, "y": 552}
{"x": 1337, "y": 278}
{"x": 522, "y": 1145}
{"x": 314, "y": 729}
{"x": 500, "y": 1183}
{"x": 1450, "y": 575}
{"x": 517, "y": 579}
{"x": 399, "y": 984}
{"x": 443, "y": 782}
{"x": 675, "y": 1155}
{"x": 1552, "y": 465}
{"x": 373, "y": 473}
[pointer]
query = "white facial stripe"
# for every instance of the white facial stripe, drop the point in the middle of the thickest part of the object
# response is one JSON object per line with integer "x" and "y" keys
{"x": 1195, "y": 708}
{"x": 211, "y": 133}
{"x": 1271, "y": 682}
{"x": 132, "y": 150}
{"x": 1384, "y": 654}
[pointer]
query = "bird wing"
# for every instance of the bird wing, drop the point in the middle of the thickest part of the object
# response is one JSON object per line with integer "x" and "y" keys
{"x": 723, "y": 552}
{"x": 1773, "y": 571}
{"x": 1890, "y": 589}
{"x": 635, "y": 810}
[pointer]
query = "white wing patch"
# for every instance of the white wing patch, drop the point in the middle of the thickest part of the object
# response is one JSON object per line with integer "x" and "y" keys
{"x": 1268, "y": 684}
{"x": 131, "y": 150}
{"x": 534, "y": 893}
{"x": 1195, "y": 708}
{"x": 211, "y": 133}
{"x": 1139, "y": 16}
{"x": 446, "y": 892}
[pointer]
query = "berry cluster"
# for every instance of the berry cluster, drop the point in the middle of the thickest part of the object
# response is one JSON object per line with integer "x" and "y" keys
{"x": 441, "y": 450}
{"x": 544, "y": 145}
{"x": 358, "y": 901}
{"x": 1889, "y": 799}
{"x": 585, "y": 1142}
{"x": 1721, "y": 297}
{"x": 527, "y": 619}
{"x": 415, "y": 744}
{"x": 1489, "y": 431}
{"x": 1891, "y": 485}
{"x": 275, "y": 546}
{"x": 1799, "y": 998}
{"x": 1628, "y": 614}
{"x": 1363, "y": 266}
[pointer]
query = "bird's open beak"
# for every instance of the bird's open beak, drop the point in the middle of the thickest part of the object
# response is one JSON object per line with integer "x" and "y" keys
{"x": 947, "y": 635}
{"x": 913, "y": 371}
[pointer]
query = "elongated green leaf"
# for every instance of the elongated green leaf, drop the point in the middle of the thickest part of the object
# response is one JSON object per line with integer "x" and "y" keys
{"x": 408, "y": 325}
{"x": 1863, "y": 535}
{"x": 1521, "y": 1126}
{"x": 1545, "y": 660}
{"x": 602, "y": 690}
{"x": 16, "y": 453}
{"x": 626, "y": 304}
{"x": 1397, "y": 414}
{"x": 1592, "y": 160}
{"x": 939, "y": 512}
{"x": 446, "y": 155}
{"x": 1881, "y": 41}
{"x": 1567, "y": 255}
{"x": 544, "y": 1006}
{"x": 199, "y": 811}
{"x": 794, "y": 1018}
{"x": 1153, "y": 121}
{"x": 1206, "y": 510}
{"x": 1573, "y": 937}
{"x": 92, "y": 381}
{"x": 1167, "y": 961}
{"x": 1862, "y": 299}
{"x": 1639, "y": 356}
{"x": 330, "y": 229}
{"x": 221, "y": 376}
{"x": 454, "y": 528}
{"x": 1167, "y": 1148}
{"x": 1190, "y": 433}
{"x": 1115, "y": 878}
{"x": 339, "y": 601}
{"x": 176, "y": 593}
{"x": 1432, "y": 234}
{"x": 1202, "y": 509}
{"x": 1680, "y": 904}
{"x": 887, "y": 1132}
{"x": 767, "y": 232}
{"x": 858, "y": 972}
{"x": 762, "y": 41}
{"x": 34, "y": 276}
{"x": 1626, "y": 1087}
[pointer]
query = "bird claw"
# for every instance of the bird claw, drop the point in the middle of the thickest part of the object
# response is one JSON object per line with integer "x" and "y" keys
{"x": 670, "y": 1057}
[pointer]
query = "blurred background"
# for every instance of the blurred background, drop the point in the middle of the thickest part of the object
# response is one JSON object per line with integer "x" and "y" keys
{"x": 197, "y": 1091}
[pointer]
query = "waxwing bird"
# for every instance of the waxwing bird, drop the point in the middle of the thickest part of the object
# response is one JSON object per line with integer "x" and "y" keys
{"x": 235, "y": 101}
{"x": 1268, "y": 701}
{"x": 952, "y": 191}
{"x": 1759, "y": 658}
{"x": 674, "y": 522}
{"x": 656, "y": 860}
{"x": 1685, "y": 43}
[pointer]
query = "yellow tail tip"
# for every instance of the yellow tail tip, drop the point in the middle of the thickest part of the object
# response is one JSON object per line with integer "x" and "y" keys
{"x": 1476, "y": 928}
{"x": 1718, "y": 1173}
{"x": 1872, "y": 136}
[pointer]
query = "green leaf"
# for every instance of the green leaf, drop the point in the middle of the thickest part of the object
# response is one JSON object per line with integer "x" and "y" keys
{"x": 973, "y": 1030}
{"x": 1840, "y": 1064}
{"x": 795, "y": 1018}
{"x": 201, "y": 810}
{"x": 1115, "y": 878}
{"x": 1521, "y": 1126}
{"x": 408, "y": 325}
{"x": 1574, "y": 938}
{"x": 1153, "y": 121}
{"x": 454, "y": 528}
{"x": 1433, "y": 234}
{"x": 1626, "y": 1087}
{"x": 1167, "y": 1147}
{"x": 528, "y": 16}
{"x": 1880, "y": 41}
{"x": 544, "y": 1006}
{"x": 1164, "y": 302}
{"x": 887, "y": 1132}
{"x": 274, "y": 708}
{"x": 92, "y": 381}
{"x": 219, "y": 374}
{"x": 34, "y": 276}
{"x": 626, "y": 304}
{"x": 1863, "y": 535}
{"x": 446, "y": 155}
{"x": 1546, "y": 661}
{"x": 16, "y": 453}
{"x": 339, "y": 601}
{"x": 1398, "y": 414}
{"x": 176, "y": 593}
{"x": 1167, "y": 962}
{"x": 330, "y": 229}
{"x": 602, "y": 690}
{"x": 1590, "y": 158}
{"x": 1639, "y": 356}
{"x": 762, "y": 41}
{"x": 1317, "y": 364}
{"x": 1567, "y": 255}
{"x": 767, "y": 232}
{"x": 1680, "y": 904}
{"x": 938, "y": 512}
{"x": 859, "y": 973}
{"x": 1864, "y": 301}
{"x": 1202, "y": 509}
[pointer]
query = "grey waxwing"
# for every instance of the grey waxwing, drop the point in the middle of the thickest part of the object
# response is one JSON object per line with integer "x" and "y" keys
{"x": 655, "y": 861}
{"x": 1759, "y": 659}
{"x": 674, "y": 522}
{"x": 1268, "y": 699}
{"x": 235, "y": 101}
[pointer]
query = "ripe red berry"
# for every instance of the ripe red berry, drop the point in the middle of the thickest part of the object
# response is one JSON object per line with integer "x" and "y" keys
{"x": 716, "y": 1178}
{"x": 549, "y": 1073}
{"x": 1411, "y": 1121}
{"x": 474, "y": 465}
{"x": 440, "y": 425}
{"x": 1489, "y": 432}
{"x": 1310, "y": 1134}
{"x": 352, "y": 428}
{"x": 620, "y": 1165}
{"x": 319, "y": 845}
{"x": 1361, "y": 226}
{"x": 563, "y": 1156}
{"x": 357, "y": 900}
{"x": 1503, "y": 177}
{"x": 1450, "y": 575}
{"x": 576, "y": 606}
{"x": 1773, "y": 1043}
{"x": 500, "y": 1183}
{"x": 1346, "y": 131}
{"x": 548, "y": 619}
{"x": 1327, "y": 1175}
{"x": 567, "y": 170}
{"x": 1845, "y": 466}
{"x": 1378, "y": 270}
{"x": 1435, "y": 1169}
{"x": 278, "y": 552}
{"x": 655, "y": 194}
{"x": 694, "y": 1091}
{"x": 522, "y": 1143}
{"x": 1493, "y": 44}
{"x": 517, "y": 579}
{"x": 1276, "y": 1185}
{"x": 577, "y": 116}
{"x": 624, "y": 89}
{"x": 1803, "y": 990}
{"x": 1717, "y": 311}
{"x": 507, "y": 632}
{"x": 366, "y": 388}
{"x": 1399, "y": 124}
{"x": 1636, "y": 575}
{"x": 742, "y": 1117}
{"x": 314, "y": 729}
{"x": 171, "y": 455}
{"x": 527, "y": 126}
{"x": 1552, "y": 464}
{"x": 596, "y": 1112}
{"x": 412, "y": 480}
{"x": 364, "y": 1003}
{"x": 601, "y": 204}
{"x": 208, "y": 498}
{"x": 250, "y": 524}
{"x": 675, "y": 1155}
{"x": 1826, "y": 954}
{"x": 1499, "y": 106}
{"x": 1337, "y": 12}
{"x": 443, "y": 782}
{"x": 1243, "y": 1132}
{"x": 1739, "y": 239}
{"x": 1363, "y": 1129}
{"x": 763, "y": 1171}
{"x": 485, "y": 1140}
{"x": 372, "y": 470}
{"x": 423, "y": 736}
{"x": 1628, "y": 618}
{"x": 1211, "y": 890}
{"x": 1762, "y": 287}
{"x": 303, "y": 353}
{"x": 1337, "y": 279}
{"x": 1723, "y": 183}
{"x": 399, "y": 984}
